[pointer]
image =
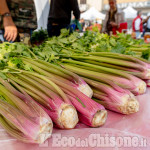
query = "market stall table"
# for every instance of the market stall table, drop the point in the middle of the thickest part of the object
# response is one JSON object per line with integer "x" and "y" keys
{"x": 134, "y": 126}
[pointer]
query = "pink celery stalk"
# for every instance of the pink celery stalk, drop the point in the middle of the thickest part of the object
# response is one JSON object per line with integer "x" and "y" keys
{"x": 60, "y": 74}
{"x": 97, "y": 117}
{"x": 81, "y": 86}
{"x": 119, "y": 61}
{"x": 28, "y": 127}
{"x": 135, "y": 85}
{"x": 122, "y": 101}
{"x": 63, "y": 114}
{"x": 93, "y": 114}
{"x": 127, "y": 81}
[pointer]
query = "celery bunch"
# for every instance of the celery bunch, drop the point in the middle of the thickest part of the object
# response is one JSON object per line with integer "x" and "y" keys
{"x": 21, "y": 116}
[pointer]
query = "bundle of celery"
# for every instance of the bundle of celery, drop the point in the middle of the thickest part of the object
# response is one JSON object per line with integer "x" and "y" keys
{"x": 116, "y": 99}
{"x": 9, "y": 56}
{"x": 59, "y": 108}
{"x": 94, "y": 114}
{"x": 101, "y": 69}
{"x": 65, "y": 85}
{"x": 60, "y": 74}
{"x": 47, "y": 70}
{"x": 78, "y": 99}
{"x": 21, "y": 116}
{"x": 105, "y": 74}
{"x": 90, "y": 113}
{"x": 129, "y": 64}
{"x": 123, "y": 100}
{"x": 135, "y": 66}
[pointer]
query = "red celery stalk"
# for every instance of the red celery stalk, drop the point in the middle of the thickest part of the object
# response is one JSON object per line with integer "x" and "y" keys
{"x": 85, "y": 106}
{"x": 123, "y": 102}
{"x": 58, "y": 109}
{"x": 124, "y": 80}
{"x": 61, "y": 74}
{"x": 26, "y": 126}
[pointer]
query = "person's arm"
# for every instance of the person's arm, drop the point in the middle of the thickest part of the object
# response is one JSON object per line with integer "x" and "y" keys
{"x": 9, "y": 26}
{"x": 75, "y": 8}
{"x": 104, "y": 23}
{"x": 145, "y": 20}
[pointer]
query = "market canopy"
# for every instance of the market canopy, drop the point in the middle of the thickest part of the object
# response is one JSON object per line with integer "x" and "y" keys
{"x": 130, "y": 12}
{"x": 92, "y": 14}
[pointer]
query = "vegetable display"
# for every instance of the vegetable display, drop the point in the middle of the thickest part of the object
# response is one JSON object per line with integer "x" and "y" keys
{"x": 69, "y": 79}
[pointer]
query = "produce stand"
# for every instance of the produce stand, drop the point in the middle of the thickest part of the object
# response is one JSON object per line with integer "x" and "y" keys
{"x": 135, "y": 125}
{"x": 72, "y": 78}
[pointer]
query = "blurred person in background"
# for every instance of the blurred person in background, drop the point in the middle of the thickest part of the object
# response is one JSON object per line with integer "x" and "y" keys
{"x": 147, "y": 21}
{"x": 137, "y": 25}
{"x": 60, "y": 15}
{"x": 82, "y": 22}
{"x": 114, "y": 17}
{"x": 144, "y": 28}
{"x": 146, "y": 25}
{"x": 18, "y": 17}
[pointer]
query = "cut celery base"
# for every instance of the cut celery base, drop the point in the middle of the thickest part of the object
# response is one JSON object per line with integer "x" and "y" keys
{"x": 68, "y": 116}
{"x": 99, "y": 118}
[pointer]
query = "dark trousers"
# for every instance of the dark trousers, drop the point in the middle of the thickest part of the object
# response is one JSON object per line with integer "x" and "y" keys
{"x": 54, "y": 30}
{"x": 145, "y": 30}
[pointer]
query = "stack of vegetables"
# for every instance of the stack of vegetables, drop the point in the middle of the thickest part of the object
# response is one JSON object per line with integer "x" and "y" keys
{"x": 112, "y": 69}
{"x": 57, "y": 91}
{"x": 67, "y": 79}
